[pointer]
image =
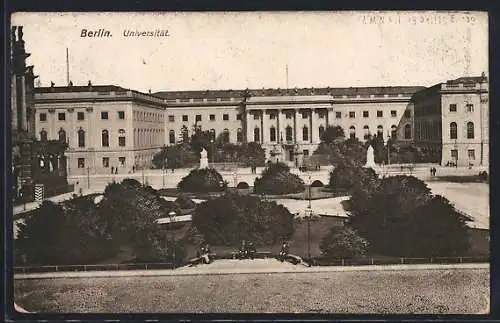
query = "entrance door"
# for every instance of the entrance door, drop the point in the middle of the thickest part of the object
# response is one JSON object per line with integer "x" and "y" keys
{"x": 291, "y": 155}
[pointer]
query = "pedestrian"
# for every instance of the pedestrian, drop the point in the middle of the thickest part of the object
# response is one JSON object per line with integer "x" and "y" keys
{"x": 112, "y": 169}
{"x": 431, "y": 171}
{"x": 116, "y": 170}
{"x": 133, "y": 169}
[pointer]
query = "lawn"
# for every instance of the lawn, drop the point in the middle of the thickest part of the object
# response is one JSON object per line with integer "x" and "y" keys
{"x": 450, "y": 291}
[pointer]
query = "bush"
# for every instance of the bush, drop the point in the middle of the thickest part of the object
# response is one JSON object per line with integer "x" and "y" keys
{"x": 202, "y": 181}
{"x": 345, "y": 179}
{"x": 242, "y": 185}
{"x": 317, "y": 183}
{"x": 231, "y": 218}
{"x": 343, "y": 243}
{"x": 185, "y": 202}
{"x": 483, "y": 176}
{"x": 277, "y": 179}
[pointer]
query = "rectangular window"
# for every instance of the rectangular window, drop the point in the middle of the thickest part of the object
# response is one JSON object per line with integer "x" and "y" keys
{"x": 185, "y": 118}
{"x": 453, "y": 108}
{"x": 81, "y": 162}
{"x": 121, "y": 160}
{"x": 80, "y": 116}
{"x": 238, "y": 116}
{"x": 198, "y": 117}
{"x": 104, "y": 115}
{"x": 380, "y": 114}
{"x": 352, "y": 114}
{"x": 225, "y": 117}
{"x": 472, "y": 154}
{"x": 408, "y": 113}
{"x": 306, "y": 152}
{"x": 171, "y": 118}
{"x": 121, "y": 115}
{"x": 338, "y": 115}
{"x": 212, "y": 117}
{"x": 61, "y": 116}
{"x": 304, "y": 115}
{"x": 394, "y": 113}
{"x": 365, "y": 114}
{"x": 105, "y": 162}
{"x": 469, "y": 107}
{"x": 454, "y": 154}
{"x": 121, "y": 141}
{"x": 43, "y": 117}
{"x": 272, "y": 116}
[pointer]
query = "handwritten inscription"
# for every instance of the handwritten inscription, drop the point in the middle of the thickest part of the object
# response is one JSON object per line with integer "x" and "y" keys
{"x": 414, "y": 19}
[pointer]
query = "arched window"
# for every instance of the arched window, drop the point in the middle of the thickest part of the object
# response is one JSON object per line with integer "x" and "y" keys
{"x": 352, "y": 132}
{"x": 239, "y": 135}
{"x": 470, "y": 130}
{"x": 212, "y": 134}
{"x": 288, "y": 133}
{"x": 105, "y": 138}
{"x": 321, "y": 132}
{"x": 366, "y": 132}
{"x": 225, "y": 135}
{"x": 256, "y": 134}
{"x": 453, "y": 130}
{"x": 394, "y": 132}
{"x": 272, "y": 134}
{"x": 121, "y": 138}
{"x": 305, "y": 133}
{"x": 171, "y": 137}
{"x": 62, "y": 135}
{"x": 43, "y": 135}
{"x": 81, "y": 138}
{"x": 408, "y": 131}
{"x": 380, "y": 130}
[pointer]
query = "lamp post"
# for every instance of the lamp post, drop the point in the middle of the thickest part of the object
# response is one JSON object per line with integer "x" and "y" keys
{"x": 212, "y": 148}
{"x": 88, "y": 177}
{"x": 308, "y": 214}
{"x": 172, "y": 215}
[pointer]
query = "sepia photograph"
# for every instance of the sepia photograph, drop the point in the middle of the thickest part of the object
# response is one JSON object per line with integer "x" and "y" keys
{"x": 332, "y": 162}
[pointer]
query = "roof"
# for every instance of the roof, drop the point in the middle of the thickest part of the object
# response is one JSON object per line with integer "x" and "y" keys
{"x": 87, "y": 88}
{"x": 351, "y": 91}
{"x": 468, "y": 79}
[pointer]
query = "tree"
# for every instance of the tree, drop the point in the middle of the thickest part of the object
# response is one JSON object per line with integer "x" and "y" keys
{"x": 339, "y": 150}
{"x": 333, "y": 134}
{"x": 202, "y": 181}
{"x": 277, "y": 179}
{"x": 251, "y": 153}
{"x": 343, "y": 243}
{"x": 231, "y": 218}
{"x": 400, "y": 217}
{"x": 347, "y": 178}
{"x": 379, "y": 149}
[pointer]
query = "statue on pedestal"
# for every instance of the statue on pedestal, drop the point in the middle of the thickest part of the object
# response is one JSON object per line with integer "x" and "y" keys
{"x": 370, "y": 157}
{"x": 203, "y": 159}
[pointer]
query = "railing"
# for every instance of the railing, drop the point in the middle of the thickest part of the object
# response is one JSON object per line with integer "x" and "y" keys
{"x": 398, "y": 261}
{"x": 102, "y": 267}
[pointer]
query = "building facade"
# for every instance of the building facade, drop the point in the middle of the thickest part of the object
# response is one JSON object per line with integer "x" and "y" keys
{"x": 106, "y": 127}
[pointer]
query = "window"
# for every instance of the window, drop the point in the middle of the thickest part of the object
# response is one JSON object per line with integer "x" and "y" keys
{"x": 272, "y": 116}
{"x": 225, "y": 117}
{"x": 380, "y": 130}
{"x": 338, "y": 115}
{"x": 121, "y": 141}
{"x": 394, "y": 113}
{"x": 352, "y": 114}
{"x": 454, "y": 154}
{"x": 453, "y": 108}
{"x": 171, "y": 137}
{"x": 121, "y": 160}
{"x": 469, "y": 107}
{"x": 306, "y": 152}
{"x": 470, "y": 130}
{"x": 408, "y": 114}
{"x": 225, "y": 135}
{"x": 239, "y": 135}
{"x": 380, "y": 114}
{"x": 104, "y": 115}
{"x": 121, "y": 115}
{"x": 80, "y": 116}
{"x": 43, "y": 135}
{"x": 81, "y": 162}
{"x": 272, "y": 134}
{"x": 305, "y": 133}
{"x": 212, "y": 134}
{"x": 43, "y": 117}
{"x": 352, "y": 132}
{"x": 238, "y": 116}
{"x": 185, "y": 118}
{"x": 61, "y": 116}
{"x": 408, "y": 131}
{"x": 289, "y": 133}
{"x": 472, "y": 154}
{"x": 288, "y": 115}
{"x": 105, "y": 162}
{"x": 198, "y": 117}
{"x": 105, "y": 138}
{"x": 321, "y": 131}
{"x": 321, "y": 115}
{"x": 212, "y": 117}
{"x": 81, "y": 138}
{"x": 304, "y": 114}
{"x": 255, "y": 116}
{"x": 256, "y": 134}
{"x": 393, "y": 131}
{"x": 366, "y": 132}
{"x": 171, "y": 118}
{"x": 453, "y": 130}
{"x": 62, "y": 135}
{"x": 366, "y": 114}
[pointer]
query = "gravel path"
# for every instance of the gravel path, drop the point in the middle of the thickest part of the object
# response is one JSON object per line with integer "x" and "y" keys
{"x": 451, "y": 291}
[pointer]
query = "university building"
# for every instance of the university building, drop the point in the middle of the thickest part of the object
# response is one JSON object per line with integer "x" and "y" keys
{"x": 109, "y": 126}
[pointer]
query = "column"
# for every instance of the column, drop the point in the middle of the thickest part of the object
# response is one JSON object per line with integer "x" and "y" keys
{"x": 249, "y": 126}
{"x": 279, "y": 125}
{"x": 294, "y": 126}
{"x": 327, "y": 119}
{"x": 263, "y": 125}
{"x": 311, "y": 125}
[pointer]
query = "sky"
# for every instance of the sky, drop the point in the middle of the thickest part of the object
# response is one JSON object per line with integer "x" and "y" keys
{"x": 237, "y": 50}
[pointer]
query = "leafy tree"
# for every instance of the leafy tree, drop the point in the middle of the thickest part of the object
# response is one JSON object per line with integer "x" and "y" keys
{"x": 343, "y": 243}
{"x": 231, "y": 218}
{"x": 400, "y": 217}
{"x": 185, "y": 202}
{"x": 277, "y": 179}
{"x": 349, "y": 152}
{"x": 333, "y": 134}
{"x": 251, "y": 153}
{"x": 346, "y": 178}
{"x": 203, "y": 181}
{"x": 379, "y": 149}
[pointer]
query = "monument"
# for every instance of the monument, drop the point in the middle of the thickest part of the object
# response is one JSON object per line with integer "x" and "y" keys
{"x": 370, "y": 157}
{"x": 203, "y": 159}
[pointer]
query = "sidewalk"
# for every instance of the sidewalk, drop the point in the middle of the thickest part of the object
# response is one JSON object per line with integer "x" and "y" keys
{"x": 280, "y": 268}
